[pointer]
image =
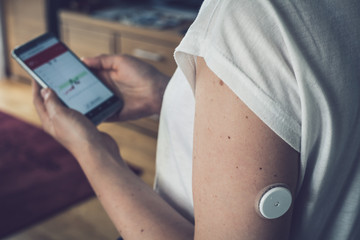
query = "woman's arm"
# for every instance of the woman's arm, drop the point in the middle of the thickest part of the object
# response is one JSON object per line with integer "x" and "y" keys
{"x": 235, "y": 156}
{"x": 135, "y": 209}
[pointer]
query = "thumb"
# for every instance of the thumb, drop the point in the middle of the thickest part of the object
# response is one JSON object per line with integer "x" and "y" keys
{"x": 52, "y": 103}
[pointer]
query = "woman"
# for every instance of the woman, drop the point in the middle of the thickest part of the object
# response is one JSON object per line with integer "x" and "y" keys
{"x": 266, "y": 93}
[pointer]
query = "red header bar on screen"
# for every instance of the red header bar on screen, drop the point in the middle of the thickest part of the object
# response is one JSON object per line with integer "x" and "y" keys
{"x": 45, "y": 56}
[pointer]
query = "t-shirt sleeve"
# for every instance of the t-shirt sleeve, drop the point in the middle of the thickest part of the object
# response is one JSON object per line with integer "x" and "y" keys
{"x": 242, "y": 43}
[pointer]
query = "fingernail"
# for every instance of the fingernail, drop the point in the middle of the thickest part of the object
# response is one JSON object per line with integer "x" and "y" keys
{"x": 45, "y": 92}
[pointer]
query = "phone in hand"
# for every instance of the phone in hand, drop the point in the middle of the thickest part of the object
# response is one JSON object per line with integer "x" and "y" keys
{"x": 52, "y": 64}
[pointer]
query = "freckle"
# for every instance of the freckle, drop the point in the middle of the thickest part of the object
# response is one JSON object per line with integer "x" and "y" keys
{"x": 237, "y": 166}
{"x": 260, "y": 168}
{"x": 221, "y": 83}
{"x": 229, "y": 137}
{"x": 246, "y": 117}
{"x": 142, "y": 230}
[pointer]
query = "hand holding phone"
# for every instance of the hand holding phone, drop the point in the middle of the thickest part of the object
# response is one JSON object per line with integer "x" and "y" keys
{"x": 53, "y": 65}
{"x": 139, "y": 84}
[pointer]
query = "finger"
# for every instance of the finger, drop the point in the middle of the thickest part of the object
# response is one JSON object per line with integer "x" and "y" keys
{"x": 38, "y": 102}
{"x": 105, "y": 62}
{"x": 52, "y": 103}
{"x": 36, "y": 91}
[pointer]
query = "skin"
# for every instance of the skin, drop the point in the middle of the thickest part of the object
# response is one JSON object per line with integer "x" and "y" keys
{"x": 235, "y": 156}
{"x": 140, "y": 85}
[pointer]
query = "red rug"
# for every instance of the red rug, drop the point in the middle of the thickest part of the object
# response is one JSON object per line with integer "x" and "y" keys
{"x": 38, "y": 177}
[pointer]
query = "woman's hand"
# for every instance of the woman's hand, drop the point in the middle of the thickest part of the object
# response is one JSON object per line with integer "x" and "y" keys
{"x": 73, "y": 130}
{"x": 140, "y": 85}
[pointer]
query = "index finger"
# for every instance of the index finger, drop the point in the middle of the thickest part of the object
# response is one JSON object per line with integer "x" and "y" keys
{"x": 39, "y": 102}
{"x": 104, "y": 62}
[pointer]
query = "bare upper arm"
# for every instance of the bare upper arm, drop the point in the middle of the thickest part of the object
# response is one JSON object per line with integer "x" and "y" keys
{"x": 235, "y": 156}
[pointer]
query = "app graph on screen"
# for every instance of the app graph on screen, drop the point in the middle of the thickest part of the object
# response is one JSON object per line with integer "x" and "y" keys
{"x": 67, "y": 76}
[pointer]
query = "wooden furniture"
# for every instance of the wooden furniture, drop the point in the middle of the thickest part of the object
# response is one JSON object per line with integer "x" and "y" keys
{"x": 23, "y": 21}
{"x": 89, "y": 36}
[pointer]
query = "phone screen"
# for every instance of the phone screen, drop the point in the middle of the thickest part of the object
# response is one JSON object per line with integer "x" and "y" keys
{"x": 60, "y": 70}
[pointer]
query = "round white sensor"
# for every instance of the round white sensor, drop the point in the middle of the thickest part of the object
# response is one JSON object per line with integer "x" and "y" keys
{"x": 275, "y": 202}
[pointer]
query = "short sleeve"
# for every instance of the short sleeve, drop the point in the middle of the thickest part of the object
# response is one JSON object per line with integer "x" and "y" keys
{"x": 242, "y": 43}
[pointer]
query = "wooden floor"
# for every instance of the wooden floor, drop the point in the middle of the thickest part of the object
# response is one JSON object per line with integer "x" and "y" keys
{"x": 87, "y": 220}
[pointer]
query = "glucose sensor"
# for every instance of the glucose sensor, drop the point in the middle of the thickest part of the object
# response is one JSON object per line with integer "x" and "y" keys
{"x": 275, "y": 200}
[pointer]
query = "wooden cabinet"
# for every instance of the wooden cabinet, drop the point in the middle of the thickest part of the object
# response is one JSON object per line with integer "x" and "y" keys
{"x": 23, "y": 20}
{"x": 157, "y": 54}
{"x": 89, "y": 42}
{"x": 88, "y": 36}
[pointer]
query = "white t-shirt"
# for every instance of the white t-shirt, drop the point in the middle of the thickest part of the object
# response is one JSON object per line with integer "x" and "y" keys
{"x": 296, "y": 65}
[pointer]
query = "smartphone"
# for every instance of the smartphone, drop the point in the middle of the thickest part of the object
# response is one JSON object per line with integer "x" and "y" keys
{"x": 52, "y": 64}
